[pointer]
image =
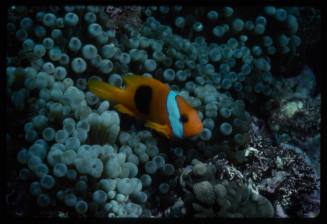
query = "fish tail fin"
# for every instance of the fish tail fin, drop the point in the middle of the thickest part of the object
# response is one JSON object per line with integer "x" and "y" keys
{"x": 106, "y": 91}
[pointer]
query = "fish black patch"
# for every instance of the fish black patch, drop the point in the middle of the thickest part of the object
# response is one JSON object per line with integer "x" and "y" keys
{"x": 142, "y": 99}
{"x": 183, "y": 118}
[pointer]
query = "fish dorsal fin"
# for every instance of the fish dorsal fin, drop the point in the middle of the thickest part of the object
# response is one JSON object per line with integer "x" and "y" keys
{"x": 136, "y": 80}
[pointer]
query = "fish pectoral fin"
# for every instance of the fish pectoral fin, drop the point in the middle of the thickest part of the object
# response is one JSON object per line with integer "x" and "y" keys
{"x": 162, "y": 129}
{"x": 122, "y": 109}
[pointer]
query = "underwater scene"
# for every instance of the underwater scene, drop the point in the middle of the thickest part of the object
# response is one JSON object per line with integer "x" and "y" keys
{"x": 160, "y": 111}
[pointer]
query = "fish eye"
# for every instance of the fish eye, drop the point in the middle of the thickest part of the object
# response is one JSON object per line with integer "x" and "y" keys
{"x": 183, "y": 118}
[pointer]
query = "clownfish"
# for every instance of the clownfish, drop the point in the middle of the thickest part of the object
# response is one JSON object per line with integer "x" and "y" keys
{"x": 162, "y": 109}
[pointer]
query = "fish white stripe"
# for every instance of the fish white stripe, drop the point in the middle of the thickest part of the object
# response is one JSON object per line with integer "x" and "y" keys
{"x": 174, "y": 115}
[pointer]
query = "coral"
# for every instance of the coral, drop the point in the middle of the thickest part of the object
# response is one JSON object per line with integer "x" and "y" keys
{"x": 226, "y": 196}
{"x": 277, "y": 170}
{"x": 296, "y": 111}
{"x": 119, "y": 16}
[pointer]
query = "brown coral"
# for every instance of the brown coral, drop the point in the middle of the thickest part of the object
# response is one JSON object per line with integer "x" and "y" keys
{"x": 123, "y": 15}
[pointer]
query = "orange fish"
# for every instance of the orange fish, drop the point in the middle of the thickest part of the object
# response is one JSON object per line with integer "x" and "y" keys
{"x": 163, "y": 109}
